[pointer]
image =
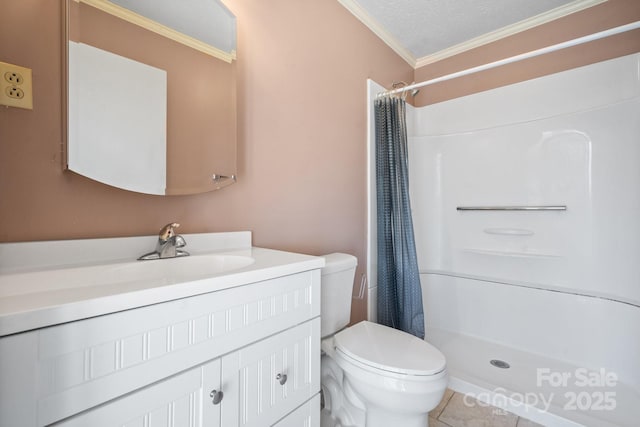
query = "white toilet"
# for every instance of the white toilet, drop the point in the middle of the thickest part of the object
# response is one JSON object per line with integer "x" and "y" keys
{"x": 372, "y": 375}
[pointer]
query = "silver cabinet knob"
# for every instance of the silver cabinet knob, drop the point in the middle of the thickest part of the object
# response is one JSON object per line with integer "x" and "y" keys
{"x": 282, "y": 378}
{"x": 217, "y": 396}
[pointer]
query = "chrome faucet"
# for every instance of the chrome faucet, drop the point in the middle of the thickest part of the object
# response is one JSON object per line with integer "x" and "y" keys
{"x": 169, "y": 244}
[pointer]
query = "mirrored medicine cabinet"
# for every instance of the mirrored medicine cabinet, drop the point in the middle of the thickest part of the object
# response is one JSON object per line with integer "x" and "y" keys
{"x": 151, "y": 94}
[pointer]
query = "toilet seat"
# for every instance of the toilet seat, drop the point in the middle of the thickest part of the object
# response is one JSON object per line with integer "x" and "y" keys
{"x": 383, "y": 349}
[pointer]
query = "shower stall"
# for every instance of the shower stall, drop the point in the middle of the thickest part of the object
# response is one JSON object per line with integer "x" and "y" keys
{"x": 526, "y": 208}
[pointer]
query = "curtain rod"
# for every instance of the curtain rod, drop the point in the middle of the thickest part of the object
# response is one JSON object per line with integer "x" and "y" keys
{"x": 520, "y": 57}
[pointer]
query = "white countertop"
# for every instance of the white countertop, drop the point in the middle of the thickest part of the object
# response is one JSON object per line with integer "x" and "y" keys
{"x": 40, "y": 293}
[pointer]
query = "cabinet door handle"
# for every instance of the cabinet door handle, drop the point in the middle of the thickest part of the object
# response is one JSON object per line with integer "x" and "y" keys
{"x": 217, "y": 396}
{"x": 282, "y": 378}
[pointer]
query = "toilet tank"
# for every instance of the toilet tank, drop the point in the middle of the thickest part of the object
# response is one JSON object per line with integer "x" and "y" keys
{"x": 336, "y": 290}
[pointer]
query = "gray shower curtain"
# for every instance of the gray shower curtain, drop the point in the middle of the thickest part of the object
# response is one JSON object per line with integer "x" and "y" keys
{"x": 399, "y": 290}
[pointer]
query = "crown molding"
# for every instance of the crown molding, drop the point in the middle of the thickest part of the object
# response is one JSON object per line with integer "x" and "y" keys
{"x": 509, "y": 30}
{"x": 493, "y": 36}
{"x": 151, "y": 25}
{"x": 373, "y": 25}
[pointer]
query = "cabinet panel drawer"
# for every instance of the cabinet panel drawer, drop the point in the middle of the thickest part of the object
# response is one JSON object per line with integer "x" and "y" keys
{"x": 89, "y": 362}
{"x": 274, "y": 376}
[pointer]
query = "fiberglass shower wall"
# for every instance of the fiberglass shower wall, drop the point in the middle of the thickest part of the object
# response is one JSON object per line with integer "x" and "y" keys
{"x": 561, "y": 284}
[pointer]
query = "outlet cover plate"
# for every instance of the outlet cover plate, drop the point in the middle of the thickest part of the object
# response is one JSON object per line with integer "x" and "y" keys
{"x": 16, "y": 86}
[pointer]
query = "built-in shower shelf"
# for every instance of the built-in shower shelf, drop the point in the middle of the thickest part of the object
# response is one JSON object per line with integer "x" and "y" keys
{"x": 511, "y": 254}
{"x": 509, "y": 231}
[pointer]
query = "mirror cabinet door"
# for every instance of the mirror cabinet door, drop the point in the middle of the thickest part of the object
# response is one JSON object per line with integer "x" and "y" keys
{"x": 151, "y": 108}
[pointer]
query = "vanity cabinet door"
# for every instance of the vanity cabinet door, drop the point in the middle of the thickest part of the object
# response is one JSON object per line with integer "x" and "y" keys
{"x": 184, "y": 400}
{"x": 272, "y": 377}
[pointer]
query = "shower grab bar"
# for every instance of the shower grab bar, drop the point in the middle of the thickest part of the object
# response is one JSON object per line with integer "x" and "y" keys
{"x": 512, "y": 208}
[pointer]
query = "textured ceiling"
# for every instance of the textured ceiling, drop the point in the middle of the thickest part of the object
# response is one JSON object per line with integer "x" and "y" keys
{"x": 425, "y": 27}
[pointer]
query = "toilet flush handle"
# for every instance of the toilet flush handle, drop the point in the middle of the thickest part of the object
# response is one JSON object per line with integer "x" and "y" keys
{"x": 282, "y": 378}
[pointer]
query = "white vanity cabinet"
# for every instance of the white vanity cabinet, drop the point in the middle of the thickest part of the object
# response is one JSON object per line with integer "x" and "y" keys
{"x": 163, "y": 364}
{"x": 255, "y": 386}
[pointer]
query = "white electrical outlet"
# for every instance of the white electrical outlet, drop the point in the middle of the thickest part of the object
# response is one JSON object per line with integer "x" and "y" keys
{"x": 15, "y": 86}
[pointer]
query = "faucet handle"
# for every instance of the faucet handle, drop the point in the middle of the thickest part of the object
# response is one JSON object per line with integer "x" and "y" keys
{"x": 180, "y": 242}
{"x": 168, "y": 231}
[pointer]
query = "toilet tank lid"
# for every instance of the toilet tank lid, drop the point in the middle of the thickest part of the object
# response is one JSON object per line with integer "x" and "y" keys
{"x": 337, "y": 262}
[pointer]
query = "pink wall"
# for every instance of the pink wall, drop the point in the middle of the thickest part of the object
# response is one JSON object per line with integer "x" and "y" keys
{"x": 302, "y": 70}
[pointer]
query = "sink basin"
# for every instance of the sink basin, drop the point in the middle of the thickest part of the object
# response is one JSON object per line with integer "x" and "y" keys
{"x": 182, "y": 268}
{"x": 160, "y": 272}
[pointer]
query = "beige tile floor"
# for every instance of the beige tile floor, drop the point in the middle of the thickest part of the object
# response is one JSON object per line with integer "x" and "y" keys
{"x": 455, "y": 411}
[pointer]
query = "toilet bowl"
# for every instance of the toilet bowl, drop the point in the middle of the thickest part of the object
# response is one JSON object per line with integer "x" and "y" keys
{"x": 372, "y": 375}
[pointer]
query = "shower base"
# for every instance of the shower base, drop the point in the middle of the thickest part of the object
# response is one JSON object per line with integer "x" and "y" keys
{"x": 550, "y": 392}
